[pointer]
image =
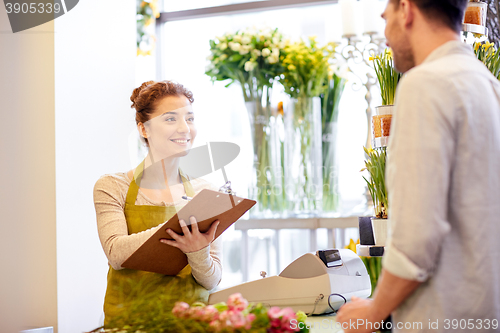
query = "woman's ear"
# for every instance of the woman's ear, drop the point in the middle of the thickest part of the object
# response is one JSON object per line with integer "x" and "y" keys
{"x": 142, "y": 130}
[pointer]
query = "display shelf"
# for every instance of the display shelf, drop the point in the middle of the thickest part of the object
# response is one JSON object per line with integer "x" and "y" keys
{"x": 380, "y": 142}
{"x": 370, "y": 250}
{"x": 476, "y": 29}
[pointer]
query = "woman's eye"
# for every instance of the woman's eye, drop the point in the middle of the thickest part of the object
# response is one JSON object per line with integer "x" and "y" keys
{"x": 170, "y": 119}
{"x": 191, "y": 119}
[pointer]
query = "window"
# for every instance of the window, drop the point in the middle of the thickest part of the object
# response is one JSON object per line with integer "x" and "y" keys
{"x": 221, "y": 116}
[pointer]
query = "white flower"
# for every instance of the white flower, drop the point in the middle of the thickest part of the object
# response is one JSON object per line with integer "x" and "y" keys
{"x": 250, "y": 65}
{"x": 223, "y": 57}
{"x": 256, "y": 53}
{"x": 273, "y": 59}
{"x": 266, "y": 52}
{"x": 276, "y": 51}
{"x": 245, "y": 49}
{"x": 235, "y": 47}
{"x": 276, "y": 40}
{"x": 222, "y": 46}
{"x": 237, "y": 38}
{"x": 221, "y": 39}
{"x": 210, "y": 57}
{"x": 246, "y": 40}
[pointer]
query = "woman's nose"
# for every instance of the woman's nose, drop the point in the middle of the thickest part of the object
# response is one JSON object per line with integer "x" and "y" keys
{"x": 183, "y": 126}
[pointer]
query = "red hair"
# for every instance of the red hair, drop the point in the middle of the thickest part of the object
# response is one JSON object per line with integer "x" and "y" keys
{"x": 144, "y": 98}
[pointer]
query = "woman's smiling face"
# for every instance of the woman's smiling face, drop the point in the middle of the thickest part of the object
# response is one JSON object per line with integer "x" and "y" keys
{"x": 171, "y": 129}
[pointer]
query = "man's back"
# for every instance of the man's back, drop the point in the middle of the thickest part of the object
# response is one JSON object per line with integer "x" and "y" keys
{"x": 443, "y": 179}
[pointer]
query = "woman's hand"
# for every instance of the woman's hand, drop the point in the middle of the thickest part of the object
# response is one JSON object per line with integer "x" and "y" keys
{"x": 193, "y": 240}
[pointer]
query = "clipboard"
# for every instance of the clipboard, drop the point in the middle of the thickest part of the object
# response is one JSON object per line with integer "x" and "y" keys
{"x": 207, "y": 206}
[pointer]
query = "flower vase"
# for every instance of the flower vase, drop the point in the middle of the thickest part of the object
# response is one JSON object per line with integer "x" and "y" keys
{"x": 303, "y": 162}
{"x": 330, "y": 168}
{"x": 267, "y": 182}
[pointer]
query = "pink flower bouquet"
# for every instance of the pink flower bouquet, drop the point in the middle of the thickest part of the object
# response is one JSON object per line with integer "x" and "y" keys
{"x": 238, "y": 316}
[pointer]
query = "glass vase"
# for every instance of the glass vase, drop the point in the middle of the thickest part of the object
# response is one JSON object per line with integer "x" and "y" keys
{"x": 303, "y": 162}
{"x": 267, "y": 181}
{"x": 330, "y": 169}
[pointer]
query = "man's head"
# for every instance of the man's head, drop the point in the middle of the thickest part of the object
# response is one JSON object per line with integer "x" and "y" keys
{"x": 407, "y": 17}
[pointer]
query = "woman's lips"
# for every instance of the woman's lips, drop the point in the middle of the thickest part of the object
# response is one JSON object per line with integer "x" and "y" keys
{"x": 181, "y": 142}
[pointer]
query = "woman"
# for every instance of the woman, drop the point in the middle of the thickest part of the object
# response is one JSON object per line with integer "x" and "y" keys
{"x": 131, "y": 206}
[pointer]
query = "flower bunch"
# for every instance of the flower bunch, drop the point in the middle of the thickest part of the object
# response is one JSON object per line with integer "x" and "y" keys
{"x": 489, "y": 56}
{"x": 247, "y": 55}
{"x": 238, "y": 316}
{"x": 378, "y": 191}
{"x": 306, "y": 67}
{"x": 387, "y": 75}
{"x": 147, "y": 11}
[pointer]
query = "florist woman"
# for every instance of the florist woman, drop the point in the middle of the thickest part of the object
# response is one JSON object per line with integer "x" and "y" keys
{"x": 131, "y": 206}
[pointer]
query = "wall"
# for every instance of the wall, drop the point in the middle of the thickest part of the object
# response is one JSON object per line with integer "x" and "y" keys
{"x": 94, "y": 78}
{"x": 27, "y": 165}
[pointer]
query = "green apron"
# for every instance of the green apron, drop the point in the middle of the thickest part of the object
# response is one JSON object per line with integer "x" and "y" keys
{"x": 125, "y": 285}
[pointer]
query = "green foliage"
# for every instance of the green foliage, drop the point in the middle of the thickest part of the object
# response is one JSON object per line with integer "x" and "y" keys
{"x": 387, "y": 76}
{"x": 374, "y": 268}
{"x": 489, "y": 56}
{"x": 330, "y": 99}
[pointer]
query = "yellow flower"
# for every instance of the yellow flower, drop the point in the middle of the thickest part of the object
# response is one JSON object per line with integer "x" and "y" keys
{"x": 292, "y": 68}
{"x": 372, "y": 58}
{"x": 487, "y": 46}
{"x": 389, "y": 54}
{"x": 476, "y": 46}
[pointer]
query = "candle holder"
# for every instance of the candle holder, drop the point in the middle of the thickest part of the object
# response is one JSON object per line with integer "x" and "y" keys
{"x": 356, "y": 52}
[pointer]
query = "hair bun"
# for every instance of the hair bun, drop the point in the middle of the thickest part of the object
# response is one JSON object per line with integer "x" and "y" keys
{"x": 137, "y": 92}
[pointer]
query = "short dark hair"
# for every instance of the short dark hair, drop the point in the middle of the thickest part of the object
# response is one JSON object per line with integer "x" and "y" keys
{"x": 449, "y": 12}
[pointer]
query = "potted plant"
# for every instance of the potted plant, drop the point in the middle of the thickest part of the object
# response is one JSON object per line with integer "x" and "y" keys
{"x": 388, "y": 79}
{"x": 375, "y": 165}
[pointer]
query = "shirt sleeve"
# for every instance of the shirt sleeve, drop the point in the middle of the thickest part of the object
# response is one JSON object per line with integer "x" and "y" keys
{"x": 420, "y": 161}
{"x": 109, "y": 204}
{"x": 206, "y": 266}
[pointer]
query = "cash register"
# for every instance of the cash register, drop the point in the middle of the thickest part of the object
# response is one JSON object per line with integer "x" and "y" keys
{"x": 314, "y": 283}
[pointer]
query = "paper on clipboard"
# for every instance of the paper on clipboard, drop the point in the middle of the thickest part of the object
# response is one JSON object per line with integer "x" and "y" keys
{"x": 207, "y": 207}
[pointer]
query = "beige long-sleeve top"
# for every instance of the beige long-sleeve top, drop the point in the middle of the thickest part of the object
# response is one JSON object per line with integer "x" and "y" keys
{"x": 443, "y": 180}
{"x": 110, "y": 192}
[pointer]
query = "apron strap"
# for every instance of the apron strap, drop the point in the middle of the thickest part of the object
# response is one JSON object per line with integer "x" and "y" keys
{"x": 187, "y": 184}
{"x": 133, "y": 189}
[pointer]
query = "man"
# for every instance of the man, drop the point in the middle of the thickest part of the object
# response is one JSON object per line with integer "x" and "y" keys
{"x": 442, "y": 267}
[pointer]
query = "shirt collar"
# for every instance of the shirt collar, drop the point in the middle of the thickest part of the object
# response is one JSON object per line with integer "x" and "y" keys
{"x": 448, "y": 48}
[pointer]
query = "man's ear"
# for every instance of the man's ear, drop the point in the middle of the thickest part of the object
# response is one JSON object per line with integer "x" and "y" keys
{"x": 407, "y": 11}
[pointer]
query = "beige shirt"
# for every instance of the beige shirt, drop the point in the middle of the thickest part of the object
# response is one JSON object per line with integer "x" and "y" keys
{"x": 443, "y": 179}
{"x": 110, "y": 192}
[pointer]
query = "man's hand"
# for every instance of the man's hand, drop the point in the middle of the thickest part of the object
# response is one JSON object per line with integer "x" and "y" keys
{"x": 358, "y": 311}
{"x": 193, "y": 240}
{"x": 390, "y": 293}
